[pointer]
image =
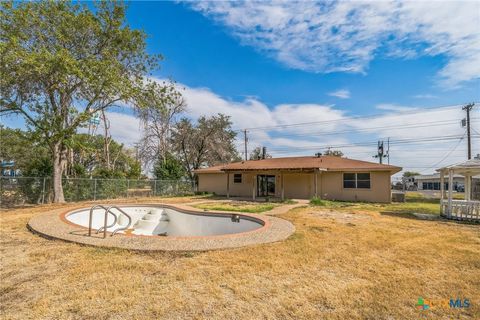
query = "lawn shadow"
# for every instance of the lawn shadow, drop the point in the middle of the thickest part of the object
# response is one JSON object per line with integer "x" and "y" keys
{"x": 423, "y": 200}
{"x": 427, "y": 217}
{"x": 412, "y": 215}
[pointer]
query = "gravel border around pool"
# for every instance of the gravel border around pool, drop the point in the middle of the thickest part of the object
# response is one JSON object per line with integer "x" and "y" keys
{"x": 52, "y": 225}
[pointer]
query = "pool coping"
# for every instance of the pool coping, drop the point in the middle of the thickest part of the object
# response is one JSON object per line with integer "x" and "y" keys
{"x": 54, "y": 225}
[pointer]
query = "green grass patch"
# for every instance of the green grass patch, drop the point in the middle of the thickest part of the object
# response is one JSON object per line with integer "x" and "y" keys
{"x": 405, "y": 207}
{"x": 239, "y": 206}
{"x": 416, "y": 202}
{"x": 315, "y": 201}
{"x": 418, "y": 197}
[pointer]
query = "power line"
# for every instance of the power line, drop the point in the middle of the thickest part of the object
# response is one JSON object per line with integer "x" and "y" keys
{"x": 396, "y": 127}
{"x": 372, "y": 143}
{"x": 407, "y": 112}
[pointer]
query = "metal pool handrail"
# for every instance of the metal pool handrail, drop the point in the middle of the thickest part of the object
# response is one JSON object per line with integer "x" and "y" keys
{"x": 91, "y": 216}
{"x": 127, "y": 215}
{"x": 105, "y": 227}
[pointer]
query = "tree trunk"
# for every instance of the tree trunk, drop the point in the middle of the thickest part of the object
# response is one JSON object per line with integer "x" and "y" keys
{"x": 58, "y": 166}
{"x": 106, "y": 140}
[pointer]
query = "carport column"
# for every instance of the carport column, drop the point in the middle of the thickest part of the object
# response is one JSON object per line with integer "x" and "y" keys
{"x": 442, "y": 190}
{"x": 450, "y": 186}
{"x": 254, "y": 181}
{"x": 282, "y": 181}
{"x": 228, "y": 185}
{"x": 468, "y": 187}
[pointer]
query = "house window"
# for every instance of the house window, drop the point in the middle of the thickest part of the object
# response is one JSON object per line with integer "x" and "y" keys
{"x": 237, "y": 178}
{"x": 349, "y": 180}
{"x": 356, "y": 180}
{"x": 363, "y": 180}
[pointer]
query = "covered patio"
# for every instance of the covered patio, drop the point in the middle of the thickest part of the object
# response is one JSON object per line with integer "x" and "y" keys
{"x": 273, "y": 184}
{"x": 469, "y": 208}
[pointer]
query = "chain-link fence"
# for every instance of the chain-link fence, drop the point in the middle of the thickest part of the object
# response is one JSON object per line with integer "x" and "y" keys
{"x": 38, "y": 190}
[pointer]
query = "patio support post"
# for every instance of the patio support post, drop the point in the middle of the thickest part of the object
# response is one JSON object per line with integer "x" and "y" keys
{"x": 315, "y": 182}
{"x": 450, "y": 186}
{"x": 442, "y": 190}
{"x": 254, "y": 178}
{"x": 468, "y": 187}
{"x": 283, "y": 186}
{"x": 228, "y": 185}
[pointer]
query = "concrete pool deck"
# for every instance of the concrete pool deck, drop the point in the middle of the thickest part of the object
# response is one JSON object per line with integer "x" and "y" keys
{"x": 51, "y": 224}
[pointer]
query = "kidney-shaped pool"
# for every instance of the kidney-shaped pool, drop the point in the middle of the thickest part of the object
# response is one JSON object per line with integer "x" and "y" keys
{"x": 159, "y": 227}
{"x": 163, "y": 221}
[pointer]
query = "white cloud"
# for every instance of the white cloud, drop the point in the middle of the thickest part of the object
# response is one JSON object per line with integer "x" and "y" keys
{"x": 325, "y": 126}
{"x": 342, "y": 94}
{"x": 346, "y": 35}
{"x": 124, "y": 127}
{"x": 425, "y": 96}
{"x": 393, "y": 107}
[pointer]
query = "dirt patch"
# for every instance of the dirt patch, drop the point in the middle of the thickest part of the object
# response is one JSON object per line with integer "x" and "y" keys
{"x": 347, "y": 218}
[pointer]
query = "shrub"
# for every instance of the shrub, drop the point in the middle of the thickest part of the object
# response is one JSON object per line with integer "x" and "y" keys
{"x": 316, "y": 201}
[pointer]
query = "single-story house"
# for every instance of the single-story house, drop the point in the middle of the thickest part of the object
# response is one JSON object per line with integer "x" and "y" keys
{"x": 432, "y": 182}
{"x": 327, "y": 177}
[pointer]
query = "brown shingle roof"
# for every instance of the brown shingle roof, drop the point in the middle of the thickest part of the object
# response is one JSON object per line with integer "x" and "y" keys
{"x": 329, "y": 163}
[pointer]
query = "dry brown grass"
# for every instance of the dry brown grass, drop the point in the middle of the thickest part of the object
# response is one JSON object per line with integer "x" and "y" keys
{"x": 364, "y": 265}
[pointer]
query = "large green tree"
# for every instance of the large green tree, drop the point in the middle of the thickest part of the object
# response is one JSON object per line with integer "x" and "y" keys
{"x": 31, "y": 157}
{"x": 60, "y": 63}
{"x": 208, "y": 142}
{"x": 88, "y": 159}
{"x": 335, "y": 153}
{"x": 168, "y": 168}
{"x": 85, "y": 158}
{"x": 257, "y": 154}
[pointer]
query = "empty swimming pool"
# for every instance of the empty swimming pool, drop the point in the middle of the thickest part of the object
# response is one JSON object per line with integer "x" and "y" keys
{"x": 161, "y": 221}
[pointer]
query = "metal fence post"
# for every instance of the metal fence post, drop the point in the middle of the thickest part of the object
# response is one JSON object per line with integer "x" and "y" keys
{"x": 94, "y": 189}
{"x": 43, "y": 191}
{"x": 128, "y": 186}
{"x": 154, "y": 188}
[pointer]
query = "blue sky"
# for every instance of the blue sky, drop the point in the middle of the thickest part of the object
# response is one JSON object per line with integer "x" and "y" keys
{"x": 201, "y": 52}
{"x": 280, "y": 63}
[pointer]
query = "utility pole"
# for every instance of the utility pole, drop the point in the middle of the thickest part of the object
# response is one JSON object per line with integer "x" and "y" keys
{"x": 245, "y": 142}
{"x": 388, "y": 150}
{"x": 467, "y": 108}
{"x": 379, "y": 154}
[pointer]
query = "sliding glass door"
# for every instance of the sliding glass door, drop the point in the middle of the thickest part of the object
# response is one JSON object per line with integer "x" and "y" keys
{"x": 265, "y": 186}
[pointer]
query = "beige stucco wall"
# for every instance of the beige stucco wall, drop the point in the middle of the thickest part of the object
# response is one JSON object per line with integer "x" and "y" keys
{"x": 212, "y": 182}
{"x": 331, "y": 188}
{"x": 298, "y": 185}
{"x": 301, "y": 186}
{"x": 217, "y": 183}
